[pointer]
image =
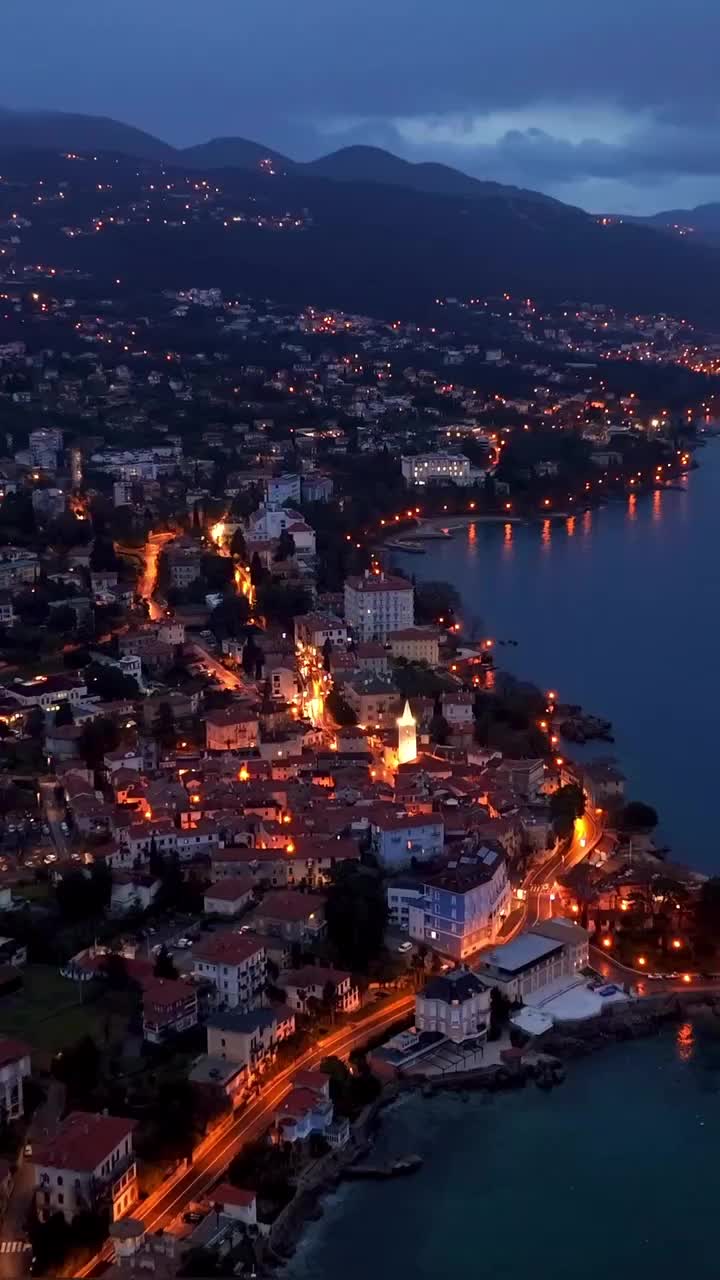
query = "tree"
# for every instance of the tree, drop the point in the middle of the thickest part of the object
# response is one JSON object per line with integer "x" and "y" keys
{"x": 285, "y": 549}
{"x": 707, "y": 913}
{"x": 164, "y": 726}
{"x": 327, "y": 652}
{"x": 435, "y": 601}
{"x": 63, "y": 619}
{"x": 98, "y": 737}
{"x": 253, "y": 658}
{"x": 217, "y": 572}
{"x": 64, "y": 715}
{"x": 237, "y": 545}
{"x": 109, "y": 683}
{"x": 230, "y": 617}
{"x": 164, "y": 966}
{"x": 439, "y": 729}
{"x": 499, "y": 1013}
{"x": 356, "y": 915}
{"x": 340, "y": 710}
{"x": 280, "y": 602}
{"x": 258, "y": 573}
{"x": 35, "y": 723}
{"x": 637, "y": 818}
{"x": 566, "y": 804}
{"x": 102, "y": 556}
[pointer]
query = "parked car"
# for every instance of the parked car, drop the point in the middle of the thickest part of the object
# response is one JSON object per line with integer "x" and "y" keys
{"x": 184, "y": 942}
{"x": 405, "y": 947}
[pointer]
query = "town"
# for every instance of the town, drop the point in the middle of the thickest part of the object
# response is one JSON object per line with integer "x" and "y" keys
{"x": 275, "y": 826}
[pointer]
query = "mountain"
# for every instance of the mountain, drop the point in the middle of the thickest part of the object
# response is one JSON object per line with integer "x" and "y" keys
{"x": 704, "y": 218}
{"x": 69, "y": 132}
{"x": 371, "y": 247}
{"x": 232, "y": 153}
{"x": 372, "y": 164}
{"x": 49, "y": 129}
{"x": 372, "y": 237}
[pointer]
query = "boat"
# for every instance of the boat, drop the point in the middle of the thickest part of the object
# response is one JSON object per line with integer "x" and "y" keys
{"x": 406, "y": 546}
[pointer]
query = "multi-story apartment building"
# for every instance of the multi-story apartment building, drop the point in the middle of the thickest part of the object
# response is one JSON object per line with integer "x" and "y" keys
{"x": 236, "y": 964}
{"x": 250, "y": 1038}
{"x": 376, "y": 604}
{"x": 232, "y": 729}
{"x": 399, "y": 838}
{"x": 465, "y": 904}
{"x": 169, "y": 1007}
{"x": 88, "y": 1166}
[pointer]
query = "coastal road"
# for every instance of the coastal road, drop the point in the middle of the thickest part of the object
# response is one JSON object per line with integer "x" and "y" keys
{"x": 218, "y": 1149}
{"x": 614, "y": 971}
{"x": 538, "y": 902}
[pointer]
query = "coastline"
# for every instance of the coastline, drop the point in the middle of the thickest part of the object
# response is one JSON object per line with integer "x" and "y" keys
{"x": 563, "y": 1044}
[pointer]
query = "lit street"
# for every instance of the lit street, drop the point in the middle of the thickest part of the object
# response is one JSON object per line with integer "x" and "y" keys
{"x": 217, "y": 1150}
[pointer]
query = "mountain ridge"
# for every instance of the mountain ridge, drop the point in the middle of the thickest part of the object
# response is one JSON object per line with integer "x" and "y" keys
{"x": 74, "y": 131}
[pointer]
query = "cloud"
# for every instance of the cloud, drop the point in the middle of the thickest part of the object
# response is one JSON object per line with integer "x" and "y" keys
{"x": 551, "y": 93}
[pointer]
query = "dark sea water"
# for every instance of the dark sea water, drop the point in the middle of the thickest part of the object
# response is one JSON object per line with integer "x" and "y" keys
{"x": 613, "y": 1174}
{"x": 617, "y": 609}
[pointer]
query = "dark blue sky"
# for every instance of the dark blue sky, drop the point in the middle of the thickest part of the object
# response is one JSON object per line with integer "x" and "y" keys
{"x": 611, "y": 104}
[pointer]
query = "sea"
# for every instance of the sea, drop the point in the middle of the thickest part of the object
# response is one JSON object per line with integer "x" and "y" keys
{"x": 618, "y": 609}
{"x": 613, "y": 1173}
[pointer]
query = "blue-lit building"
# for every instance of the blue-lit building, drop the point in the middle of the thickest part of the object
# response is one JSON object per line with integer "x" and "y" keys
{"x": 464, "y": 905}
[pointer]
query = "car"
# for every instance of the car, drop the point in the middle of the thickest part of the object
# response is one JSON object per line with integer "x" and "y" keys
{"x": 405, "y": 947}
{"x": 45, "y": 829}
{"x": 184, "y": 942}
{"x": 157, "y": 948}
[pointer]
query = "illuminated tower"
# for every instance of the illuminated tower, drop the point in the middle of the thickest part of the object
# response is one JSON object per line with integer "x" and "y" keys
{"x": 407, "y": 736}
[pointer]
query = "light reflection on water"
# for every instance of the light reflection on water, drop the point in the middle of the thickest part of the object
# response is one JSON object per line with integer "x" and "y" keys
{"x": 685, "y": 1042}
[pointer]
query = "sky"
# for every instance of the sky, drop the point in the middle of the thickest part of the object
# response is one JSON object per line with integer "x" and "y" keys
{"x": 610, "y": 105}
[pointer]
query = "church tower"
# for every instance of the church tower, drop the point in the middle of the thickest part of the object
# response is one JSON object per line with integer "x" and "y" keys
{"x": 407, "y": 736}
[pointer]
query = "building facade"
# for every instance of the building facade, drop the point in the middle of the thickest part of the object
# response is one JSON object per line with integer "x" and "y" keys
{"x": 377, "y": 604}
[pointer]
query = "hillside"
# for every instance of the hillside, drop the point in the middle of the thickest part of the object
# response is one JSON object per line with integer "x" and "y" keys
{"x": 68, "y": 132}
{"x": 383, "y": 249}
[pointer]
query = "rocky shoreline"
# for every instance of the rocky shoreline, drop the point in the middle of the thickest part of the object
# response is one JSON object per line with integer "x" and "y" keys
{"x": 572, "y": 1040}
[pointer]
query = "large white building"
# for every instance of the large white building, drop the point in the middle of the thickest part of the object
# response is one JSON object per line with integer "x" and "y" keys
{"x": 454, "y": 1004}
{"x": 529, "y": 966}
{"x": 436, "y": 468}
{"x": 377, "y": 604}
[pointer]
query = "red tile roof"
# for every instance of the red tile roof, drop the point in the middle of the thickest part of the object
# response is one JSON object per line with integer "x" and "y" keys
{"x": 228, "y": 948}
{"x": 162, "y": 993}
{"x": 84, "y": 1140}
{"x": 227, "y": 1194}
{"x": 13, "y": 1051}
{"x": 231, "y": 889}
{"x": 289, "y": 905}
